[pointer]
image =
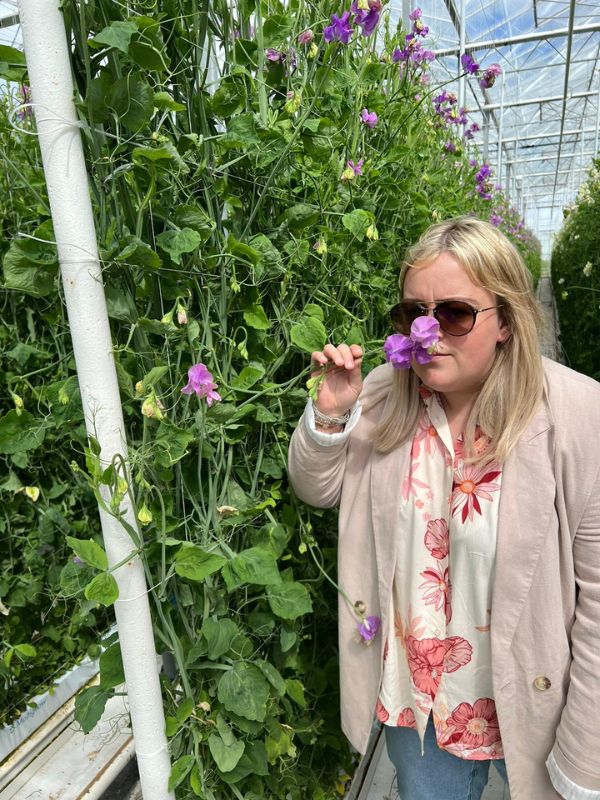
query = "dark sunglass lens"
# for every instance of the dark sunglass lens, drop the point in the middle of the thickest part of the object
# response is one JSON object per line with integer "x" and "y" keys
{"x": 455, "y": 317}
{"x": 403, "y": 315}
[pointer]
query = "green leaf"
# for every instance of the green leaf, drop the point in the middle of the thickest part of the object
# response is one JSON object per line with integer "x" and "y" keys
{"x": 289, "y": 600}
{"x": 309, "y": 334}
{"x": 111, "y": 667}
{"x": 256, "y": 318}
{"x": 117, "y": 34}
{"x": 273, "y": 676}
{"x": 250, "y": 374}
{"x": 228, "y": 98}
{"x": 295, "y": 690}
{"x": 138, "y": 254}
{"x": 245, "y": 691}
{"x": 165, "y": 101}
{"x": 179, "y": 771}
{"x": 171, "y": 443}
{"x": 195, "y": 564}
{"x": 175, "y": 243}
{"x": 89, "y": 706}
{"x": 152, "y": 377}
{"x": 299, "y": 216}
{"x": 89, "y": 551}
{"x": 26, "y": 650}
{"x": 226, "y": 756}
{"x": 148, "y": 57}
{"x": 132, "y": 100}
{"x": 103, "y": 589}
{"x": 313, "y": 310}
{"x": 254, "y": 565}
{"x": 357, "y": 222}
{"x": 196, "y": 218}
{"x": 219, "y": 634}
{"x": 11, "y": 55}
{"x": 20, "y": 433}
{"x": 24, "y": 273}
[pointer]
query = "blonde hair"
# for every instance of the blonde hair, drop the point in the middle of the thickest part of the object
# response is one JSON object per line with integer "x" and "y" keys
{"x": 513, "y": 387}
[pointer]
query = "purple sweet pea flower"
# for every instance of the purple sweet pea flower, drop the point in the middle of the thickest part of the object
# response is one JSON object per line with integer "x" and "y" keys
{"x": 398, "y": 350}
{"x": 469, "y": 64}
{"x": 489, "y": 76}
{"x": 419, "y": 29}
{"x": 370, "y": 118}
{"x": 415, "y": 15}
{"x": 368, "y": 628}
{"x": 367, "y": 19}
{"x": 201, "y": 382}
{"x": 425, "y": 331}
{"x": 450, "y": 146}
{"x": 274, "y": 55}
{"x": 339, "y": 29}
{"x": 356, "y": 167}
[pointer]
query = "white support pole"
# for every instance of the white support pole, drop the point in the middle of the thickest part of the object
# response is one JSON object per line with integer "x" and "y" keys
{"x": 597, "y": 119}
{"x": 499, "y": 154}
{"x": 462, "y": 32}
{"x": 47, "y": 55}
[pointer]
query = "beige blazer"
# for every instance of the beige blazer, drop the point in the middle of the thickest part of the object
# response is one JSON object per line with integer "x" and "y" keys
{"x": 545, "y": 623}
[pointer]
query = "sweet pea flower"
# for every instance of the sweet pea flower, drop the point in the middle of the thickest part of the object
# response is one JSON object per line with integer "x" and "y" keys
{"x": 368, "y": 628}
{"x": 274, "y": 55}
{"x": 424, "y": 334}
{"x": 305, "y": 37}
{"x": 370, "y": 118}
{"x": 340, "y": 28}
{"x": 469, "y": 64}
{"x": 415, "y": 15}
{"x": 489, "y": 76}
{"x": 201, "y": 382}
{"x": 367, "y": 18}
{"x": 425, "y": 331}
{"x": 352, "y": 170}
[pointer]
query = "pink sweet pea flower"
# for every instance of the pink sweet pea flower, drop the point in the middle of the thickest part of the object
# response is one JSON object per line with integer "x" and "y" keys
{"x": 201, "y": 382}
{"x": 424, "y": 334}
{"x": 370, "y": 118}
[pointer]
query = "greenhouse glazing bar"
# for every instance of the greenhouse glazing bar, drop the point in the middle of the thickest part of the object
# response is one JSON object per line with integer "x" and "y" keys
{"x": 565, "y": 88}
{"x": 531, "y": 101}
{"x": 49, "y": 70}
{"x": 523, "y": 38}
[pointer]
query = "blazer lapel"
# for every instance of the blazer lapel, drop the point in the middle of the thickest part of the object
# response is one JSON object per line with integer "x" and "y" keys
{"x": 387, "y": 473}
{"x": 526, "y": 503}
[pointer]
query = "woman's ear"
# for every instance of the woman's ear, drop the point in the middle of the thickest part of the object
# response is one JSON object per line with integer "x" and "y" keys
{"x": 504, "y": 331}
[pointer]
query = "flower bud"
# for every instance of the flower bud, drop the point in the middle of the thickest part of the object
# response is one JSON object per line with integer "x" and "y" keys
{"x": 360, "y": 607}
{"x": 312, "y": 51}
{"x": 348, "y": 174}
{"x": 182, "y": 317}
{"x": 167, "y": 319}
{"x": 18, "y": 401}
{"x": 139, "y": 387}
{"x": 152, "y": 407}
{"x": 144, "y": 515}
{"x": 320, "y": 247}
{"x": 372, "y": 233}
{"x": 204, "y": 706}
{"x": 32, "y": 492}
{"x": 306, "y": 37}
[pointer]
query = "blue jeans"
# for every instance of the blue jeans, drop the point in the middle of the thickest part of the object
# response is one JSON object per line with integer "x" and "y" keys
{"x": 438, "y": 775}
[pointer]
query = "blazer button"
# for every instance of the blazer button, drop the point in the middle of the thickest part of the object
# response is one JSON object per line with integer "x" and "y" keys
{"x": 542, "y": 683}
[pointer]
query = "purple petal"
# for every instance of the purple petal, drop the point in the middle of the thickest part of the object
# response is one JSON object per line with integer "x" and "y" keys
{"x": 369, "y": 627}
{"x": 425, "y": 331}
{"x": 398, "y": 350}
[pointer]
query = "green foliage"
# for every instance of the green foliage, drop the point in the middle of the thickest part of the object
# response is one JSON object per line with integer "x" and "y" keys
{"x": 576, "y": 278}
{"x": 228, "y": 238}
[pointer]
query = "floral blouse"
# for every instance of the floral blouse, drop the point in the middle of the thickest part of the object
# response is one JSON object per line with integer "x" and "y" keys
{"x": 437, "y": 656}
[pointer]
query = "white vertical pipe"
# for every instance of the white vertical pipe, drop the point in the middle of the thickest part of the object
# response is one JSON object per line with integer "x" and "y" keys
{"x": 47, "y": 55}
{"x": 406, "y": 23}
{"x": 597, "y": 118}
{"x": 499, "y": 154}
{"x": 461, "y": 47}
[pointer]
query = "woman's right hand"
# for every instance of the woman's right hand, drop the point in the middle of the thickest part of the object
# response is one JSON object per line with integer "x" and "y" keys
{"x": 342, "y": 383}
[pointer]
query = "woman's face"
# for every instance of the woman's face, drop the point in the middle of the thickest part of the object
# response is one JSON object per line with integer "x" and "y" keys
{"x": 464, "y": 361}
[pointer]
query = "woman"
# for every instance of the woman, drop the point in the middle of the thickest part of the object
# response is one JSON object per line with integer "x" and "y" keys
{"x": 469, "y": 524}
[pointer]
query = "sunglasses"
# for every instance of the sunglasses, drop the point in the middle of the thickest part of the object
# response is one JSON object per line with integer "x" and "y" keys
{"x": 455, "y": 317}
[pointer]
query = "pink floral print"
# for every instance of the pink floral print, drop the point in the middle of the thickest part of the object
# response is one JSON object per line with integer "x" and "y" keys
{"x": 436, "y": 538}
{"x": 428, "y": 659}
{"x": 406, "y": 719}
{"x": 473, "y": 726}
{"x": 472, "y": 483}
{"x": 437, "y": 590}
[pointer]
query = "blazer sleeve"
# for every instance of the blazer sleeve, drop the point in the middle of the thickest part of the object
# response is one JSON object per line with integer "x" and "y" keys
{"x": 577, "y": 741}
{"x": 316, "y": 461}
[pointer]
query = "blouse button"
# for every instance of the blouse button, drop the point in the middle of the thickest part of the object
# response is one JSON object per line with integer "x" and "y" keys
{"x": 542, "y": 683}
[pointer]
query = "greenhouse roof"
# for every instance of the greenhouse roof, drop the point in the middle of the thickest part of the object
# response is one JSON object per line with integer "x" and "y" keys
{"x": 539, "y": 123}
{"x": 544, "y": 111}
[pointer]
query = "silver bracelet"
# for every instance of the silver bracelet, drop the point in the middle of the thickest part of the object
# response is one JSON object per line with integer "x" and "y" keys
{"x": 330, "y": 422}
